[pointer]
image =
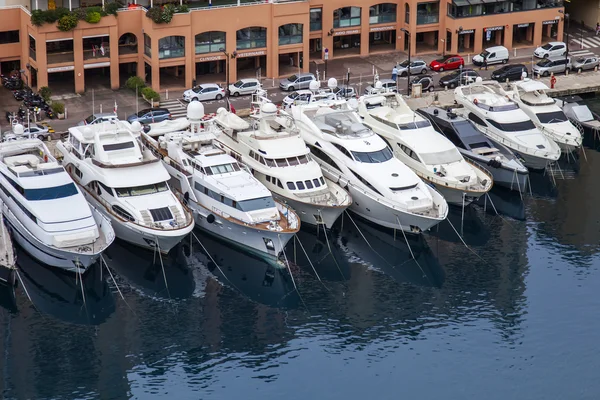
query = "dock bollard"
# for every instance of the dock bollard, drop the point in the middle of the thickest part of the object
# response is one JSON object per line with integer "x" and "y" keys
{"x": 596, "y": 68}
{"x": 446, "y": 88}
{"x": 566, "y": 71}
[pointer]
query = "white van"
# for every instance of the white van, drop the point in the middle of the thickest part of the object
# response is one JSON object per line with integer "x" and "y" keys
{"x": 492, "y": 55}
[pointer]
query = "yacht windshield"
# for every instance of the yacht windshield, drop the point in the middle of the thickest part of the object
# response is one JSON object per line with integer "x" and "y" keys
{"x": 118, "y": 146}
{"x": 255, "y": 204}
{"x": 415, "y": 125}
{"x": 142, "y": 190}
{"x": 441, "y": 157}
{"x": 513, "y": 126}
{"x": 552, "y": 117}
{"x": 50, "y": 193}
{"x": 224, "y": 168}
{"x": 373, "y": 156}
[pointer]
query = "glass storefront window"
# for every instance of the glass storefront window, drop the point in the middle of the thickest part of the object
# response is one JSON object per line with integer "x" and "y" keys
{"x": 32, "y": 47}
{"x": 316, "y": 19}
{"x": 147, "y": 45}
{"x": 251, "y": 38}
{"x": 290, "y": 34}
{"x": 346, "y": 16}
{"x": 381, "y": 13}
{"x": 428, "y": 13}
{"x": 171, "y": 47}
{"x": 210, "y": 42}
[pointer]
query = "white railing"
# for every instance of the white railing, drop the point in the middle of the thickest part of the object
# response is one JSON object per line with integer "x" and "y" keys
{"x": 462, "y": 185}
{"x": 514, "y": 145}
{"x": 16, "y": 6}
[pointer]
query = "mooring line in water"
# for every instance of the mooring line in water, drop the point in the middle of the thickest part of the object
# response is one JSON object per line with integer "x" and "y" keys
{"x": 462, "y": 215}
{"x": 497, "y": 213}
{"x": 214, "y": 262}
{"x": 466, "y": 245}
{"x": 162, "y": 267}
{"x": 24, "y": 288}
{"x": 309, "y": 261}
{"x": 410, "y": 249}
{"x": 363, "y": 236}
{"x": 329, "y": 246}
{"x": 116, "y": 285}
{"x": 78, "y": 271}
{"x": 287, "y": 264}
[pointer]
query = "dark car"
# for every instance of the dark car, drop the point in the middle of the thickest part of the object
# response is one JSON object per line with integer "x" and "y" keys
{"x": 150, "y": 115}
{"x": 512, "y": 72}
{"x": 458, "y": 78}
{"x": 426, "y": 82}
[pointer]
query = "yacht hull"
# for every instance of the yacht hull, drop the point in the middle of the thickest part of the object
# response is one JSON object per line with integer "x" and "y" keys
{"x": 309, "y": 213}
{"x": 528, "y": 160}
{"x": 504, "y": 176}
{"x": 456, "y": 197}
{"x": 143, "y": 237}
{"x": 381, "y": 214}
{"x": 49, "y": 255}
{"x": 263, "y": 243}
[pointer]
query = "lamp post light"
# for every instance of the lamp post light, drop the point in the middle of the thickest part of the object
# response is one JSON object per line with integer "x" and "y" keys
{"x": 229, "y": 57}
{"x": 566, "y": 28}
{"x": 407, "y": 33}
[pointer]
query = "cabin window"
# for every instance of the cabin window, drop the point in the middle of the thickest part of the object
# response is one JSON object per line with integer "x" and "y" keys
{"x": 303, "y": 159}
{"x": 316, "y": 182}
{"x": 198, "y": 187}
{"x": 122, "y": 213}
{"x": 78, "y": 173}
{"x": 343, "y": 150}
{"x": 270, "y": 162}
{"x": 320, "y": 154}
{"x": 371, "y": 157}
{"x": 513, "y": 126}
{"x": 293, "y": 161}
{"x": 322, "y": 180}
{"x": 118, "y": 146}
{"x": 142, "y": 190}
{"x": 409, "y": 152}
{"x": 308, "y": 184}
{"x": 104, "y": 187}
{"x": 268, "y": 178}
{"x": 251, "y": 154}
{"x": 291, "y": 186}
{"x": 300, "y": 185}
{"x": 281, "y": 162}
{"x": 256, "y": 204}
{"x": 279, "y": 184}
{"x": 366, "y": 183}
{"x": 476, "y": 119}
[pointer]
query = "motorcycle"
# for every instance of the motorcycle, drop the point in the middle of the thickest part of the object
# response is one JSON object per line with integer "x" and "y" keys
{"x": 20, "y": 95}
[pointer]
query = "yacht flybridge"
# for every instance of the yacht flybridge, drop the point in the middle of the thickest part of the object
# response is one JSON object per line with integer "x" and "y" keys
{"x": 278, "y": 157}
{"x": 127, "y": 183}
{"x": 227, "y": 200}
{"x": 532, "y": 98}
{"x": 502, "y": 121}
{"x": 383, "y": 189}
{"x": 48, "y": 214}
{"x": 427, "y": 152}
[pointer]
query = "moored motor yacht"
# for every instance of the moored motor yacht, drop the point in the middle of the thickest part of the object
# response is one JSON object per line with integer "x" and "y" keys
{"x": 383, "y": 189}
{"x": 278, "y": 157}
{"x": 580, "y": 115}
{"x": 47, "y": 213}
{"x": 429, "y": 154}
{"x": 227, "y": 200}
{"x": 127, "y": 183}
{"x": 532, "y": 98}
{"x": 502, "y": 121}
{"x": 505, "y": 167}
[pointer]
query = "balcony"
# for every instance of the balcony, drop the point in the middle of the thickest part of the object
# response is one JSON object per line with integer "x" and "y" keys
{"x": 101, "y": 52}
{"x": 477, "y": 8}
{"x": 424, "y": 19}
{"x": 60, "y": 57}
{"x": 382, "y": 18}
{"x": 316, "y": 26}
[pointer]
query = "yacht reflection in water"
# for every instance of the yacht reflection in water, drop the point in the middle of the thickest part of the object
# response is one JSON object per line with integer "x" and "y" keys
{"x": 143, "y": 269}
{"x": 59, "y": 294}
{"x": 506, "y": 202}
{"x": 262, "y": 280}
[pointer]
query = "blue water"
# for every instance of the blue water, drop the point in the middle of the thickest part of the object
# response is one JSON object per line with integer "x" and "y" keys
{"x": 514, "y": 315}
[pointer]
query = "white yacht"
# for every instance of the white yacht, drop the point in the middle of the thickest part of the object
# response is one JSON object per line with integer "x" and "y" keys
{"x": 532, "y": 98}
{"x": 414, "y": 142}
{"x": 278, "y": 157}
{"x": 127, "y": 183}
{"x": 383, "y": 189}
{"x": 227, "y": 200}
{"x": 47, "y": 213}
{"x": 502, "y": 121}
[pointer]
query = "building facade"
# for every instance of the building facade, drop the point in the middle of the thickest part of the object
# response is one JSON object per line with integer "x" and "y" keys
{"x": 262, "y": 38}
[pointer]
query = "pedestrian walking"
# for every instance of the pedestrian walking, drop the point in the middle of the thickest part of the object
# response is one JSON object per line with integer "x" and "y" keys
{"x": 394, "y": 73}
{"x": 597, "y": 28}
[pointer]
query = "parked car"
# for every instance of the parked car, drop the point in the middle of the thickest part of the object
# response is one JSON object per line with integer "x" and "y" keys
{"x": 302, "y": 96}
{"x": 458, "y": 78}
{"x": 491, "y": 55}
{"x": 426, "y": 82}
{"x": 585, "y": 63}
{"x": 512, "y": 72}
{"x": 205, "y": 91}
{"x": 98, "y": 118}
{"x": 416, "y": 67}
{"x": 244, "y": 86}
{"x": 297, "y": 81}
{"x": 387, "y": 85}
{"x": 344, "y": 91}
{"x": 550, "y": 50}
{"x": 446, "y": 63}
{"x": 34, "y": 131}
{"x": 546, "y": 67}
{"x": 150, "y": 115}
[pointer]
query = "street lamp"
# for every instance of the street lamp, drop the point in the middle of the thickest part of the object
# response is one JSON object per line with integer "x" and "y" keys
{"x": 407, "y": 33}
{"x": 566, "y": 28}
{"x": 229, "y": 57}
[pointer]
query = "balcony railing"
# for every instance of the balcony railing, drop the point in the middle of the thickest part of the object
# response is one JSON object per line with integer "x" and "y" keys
{"x": 432, "y": 18}
{"x": 382, "y": 18}
{"x": 316, "y": 26}
{"x": 32, "y": 54}
{"x": 203, "y": 48}
{"x": 172, "y": 52}
{"x": 251, "y": 44}
{"x": 290, "y": 39}
{"x": 90, "y": 54}
{"x": 57, "y": 58}
{"x": 128, "y": 49}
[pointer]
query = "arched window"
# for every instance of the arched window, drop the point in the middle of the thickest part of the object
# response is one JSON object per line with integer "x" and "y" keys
{"x": 346, "y": 16}
{"x": 210, "y": 42}
{"x": 407, "y": 13}
{"x": 147, "y": 45}
{"x": 251, "y": 38}
{"x": 128, "y": 44}
{"x": 171, "y": 47}
{"x": 382, "y": 13}
{"x": 290, "y": 34}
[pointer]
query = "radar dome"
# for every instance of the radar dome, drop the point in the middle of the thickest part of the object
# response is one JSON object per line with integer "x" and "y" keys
{"x": 314, "y": 85}
{"x": 378, "y": 85}
{"x": 195, "y": 110}
{"x": 87, "y": 133}
{"x": 221, "y": 110}
{"x": 268, "y": 108}
{"x": 523, "y": 74}
{"x": 136, "y": 126}
{"x": 18, "y": 129}
{"x": 332, "y": 83}
{"x": 479, "y": 79}
{"x": 353, "y": 104}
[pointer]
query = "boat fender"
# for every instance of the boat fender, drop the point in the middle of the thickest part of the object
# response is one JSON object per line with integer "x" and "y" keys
{"x": 210, "y": 219}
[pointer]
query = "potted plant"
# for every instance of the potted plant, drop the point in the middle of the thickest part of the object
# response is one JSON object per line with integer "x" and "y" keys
{"x": 59, "y": 109}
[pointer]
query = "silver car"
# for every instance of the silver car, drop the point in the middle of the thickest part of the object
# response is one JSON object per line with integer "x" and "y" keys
{"x": 244, "y": 86}
{"x": 551, "y": 50}
{"x": 585, "y": 63}
{"x": 387, "y": 85}
{"x": 546, "y": 66}
{"x": 205, "y": 91}
{"x": 416, "y": 67}
{"x": 98, "y": 118}
{"x": 297, "y": 81}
